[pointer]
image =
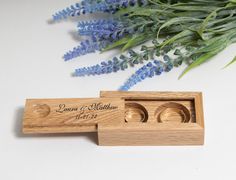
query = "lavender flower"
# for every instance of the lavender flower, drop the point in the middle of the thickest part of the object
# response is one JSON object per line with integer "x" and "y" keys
{"x": 85, "y": 47}
{"x": 110, "y": 66}
{"x": 133, "y": 26}
{"x": 92, "y": 6}
{"x": 101, "y": 32}
{"x": 100, "y": 29}
{"x": 73, "y": 10}
{"x": 147, "y": 71}
{"x": 114, "y": 65}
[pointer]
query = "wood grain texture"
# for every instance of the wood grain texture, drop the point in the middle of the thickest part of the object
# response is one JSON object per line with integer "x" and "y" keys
{"x": 173, "y": 118}
{"x": 150, "y": 95}
{"x": 123, "y": 118}
{"x": 70, "y": 115}
{"x": 144, "y": 136}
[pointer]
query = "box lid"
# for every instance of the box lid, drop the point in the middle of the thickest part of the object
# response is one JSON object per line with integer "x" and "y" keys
{"x": 70, "y": 115}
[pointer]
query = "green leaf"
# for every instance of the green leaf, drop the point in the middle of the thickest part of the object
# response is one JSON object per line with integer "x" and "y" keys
{"x": 205, "y": 22}
{"x": 176, "y": 37}
{"x": 232, "y": 1}
{"x": 116, "y": 44}
{"x": 177, "y": 20}
{"x": 217, "y": 45}
{"x": 198, "y": 62}
{"x": 127, "y": 10}
{"x": 136, "y": 40}
{"x": 149, "y": 12}
{"x": 143, "y": 12}
{"x": 231, "y": 62}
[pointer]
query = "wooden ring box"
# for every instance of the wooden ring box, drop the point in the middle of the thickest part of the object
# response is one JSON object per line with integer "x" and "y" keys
{"x": 122, "y": 118}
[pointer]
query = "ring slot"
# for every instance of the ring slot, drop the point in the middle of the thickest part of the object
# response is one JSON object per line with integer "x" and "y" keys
{"x": 172, "y": 113}
{"x": 135, "y": 112}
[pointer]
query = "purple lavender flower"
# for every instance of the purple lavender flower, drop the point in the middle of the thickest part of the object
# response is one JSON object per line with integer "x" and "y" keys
{"x": 84, "y": 7}
{"x": 100, "y": 29}
{"x": 85, "y": 47}
{"x": 101, "y": 33}
{"x": 73, "y": 10}
{"x": 92, "y": 6}
{"x": 147, "y": 71}
{"x": 110, "y": 66}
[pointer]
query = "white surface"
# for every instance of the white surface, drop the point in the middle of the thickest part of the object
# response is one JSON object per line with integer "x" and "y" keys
{"x": 31, "y": 67}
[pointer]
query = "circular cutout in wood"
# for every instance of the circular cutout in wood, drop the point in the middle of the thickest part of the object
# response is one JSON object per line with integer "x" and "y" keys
{"x": 172, "y": 113}
{"x": 135, "y": 112}
{"x": 41, "y": 110}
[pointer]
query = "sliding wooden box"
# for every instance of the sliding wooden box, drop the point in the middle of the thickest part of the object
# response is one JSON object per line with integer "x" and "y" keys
{"x": 155, "y": 118}
{"x": 123, "y": 118}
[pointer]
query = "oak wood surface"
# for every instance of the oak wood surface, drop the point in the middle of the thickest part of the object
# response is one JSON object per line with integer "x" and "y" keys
{"x": 122, "y": 118}
{"x": 172, "y": 131}
{"x": 69, "y": 115}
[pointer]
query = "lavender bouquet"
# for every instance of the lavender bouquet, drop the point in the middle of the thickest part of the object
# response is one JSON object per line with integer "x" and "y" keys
{"x": 181, "y": 31}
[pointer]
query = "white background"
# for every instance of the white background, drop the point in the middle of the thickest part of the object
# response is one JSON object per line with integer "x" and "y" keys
{"x": 31, "y": 67}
